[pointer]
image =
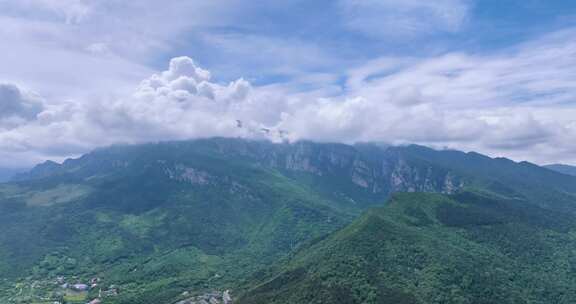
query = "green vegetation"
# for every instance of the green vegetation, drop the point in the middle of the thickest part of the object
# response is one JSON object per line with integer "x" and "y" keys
{"x": 565, "y": 169}
{"x": 288, "y": 223}
{"x": 430, "y": 248}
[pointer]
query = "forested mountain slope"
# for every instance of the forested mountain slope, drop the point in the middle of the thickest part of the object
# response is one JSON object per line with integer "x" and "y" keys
{"x": 432, "y": 248}
{"x": 566, "y": 169}
{"x": 161, "y": 219}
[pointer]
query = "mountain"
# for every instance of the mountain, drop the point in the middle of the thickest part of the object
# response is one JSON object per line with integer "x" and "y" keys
{"x": 565, "y": 169}
{"x": 433, "y": 248}
{"x": 6, "y": 174}
{"x": 168, "y": 220}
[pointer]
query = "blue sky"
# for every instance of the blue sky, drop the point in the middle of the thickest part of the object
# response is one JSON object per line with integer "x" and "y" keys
{"x": 491, "y": 76}
{"x": 486, "y": 26}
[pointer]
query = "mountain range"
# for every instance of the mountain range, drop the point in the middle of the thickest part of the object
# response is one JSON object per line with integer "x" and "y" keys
{"x": 297, "y": 222}
{"x": 566, "y": 169}
{"x": 6, "y": 174}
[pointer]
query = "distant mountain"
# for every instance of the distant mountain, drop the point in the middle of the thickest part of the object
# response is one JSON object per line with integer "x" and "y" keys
{"x": 565, "y": 169}
{"x": 46, "y": 169}
{"x": 6, "y": 174}
{"x": 163, "y": 221}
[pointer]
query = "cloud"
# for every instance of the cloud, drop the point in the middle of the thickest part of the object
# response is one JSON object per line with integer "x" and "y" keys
{"x": 518, "y": 103}
{"x": 47, "y": 56}
{"x": 17, "y": 106}
{"x": 98, "y": 48}
{"x": 265, "y": 57}
{"x": 404, "y": 18}
{"x": 106, "y": 43}
{"x": 71, "y": 11}
{"x": 180, "y": 102}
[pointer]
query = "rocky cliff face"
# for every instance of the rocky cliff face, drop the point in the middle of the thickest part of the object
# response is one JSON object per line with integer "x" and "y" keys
{"x": 377, "y": 170}
{"x": 373, "y": 169}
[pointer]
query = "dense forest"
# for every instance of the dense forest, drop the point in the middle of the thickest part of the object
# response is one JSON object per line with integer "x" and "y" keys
{"x": 287, "y": 223}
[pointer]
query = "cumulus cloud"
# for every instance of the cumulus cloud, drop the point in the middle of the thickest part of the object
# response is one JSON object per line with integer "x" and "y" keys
{"x": 106, "y": 43}
{"x": 500, "y": 103}
{"x": 518, "y": 103}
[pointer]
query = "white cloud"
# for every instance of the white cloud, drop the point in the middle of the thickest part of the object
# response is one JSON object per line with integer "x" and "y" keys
{"x": 517, "y": 103}
{"x": 98, "y": 48}
{"x": 404, "y": 18}
{"x": 54, "y": 45}
{"x": 71, "y": 11}
{"x": 276, "y": 56}
{"x": 59, "y": 46}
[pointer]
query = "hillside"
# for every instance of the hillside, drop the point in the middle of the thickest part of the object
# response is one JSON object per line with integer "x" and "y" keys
{"x": 431, "y": 248}
{"x": 565, "y": 169}
{"x": 6, "y": 174}
{"x": 156, "y": 220}
{"x": 168, "y": 220}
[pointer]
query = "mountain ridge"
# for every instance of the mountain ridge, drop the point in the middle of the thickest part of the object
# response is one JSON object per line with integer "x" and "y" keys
{"x": 7, "y": 174}
{"x": 565, "y": 169}
{"x": 166, "y": 218}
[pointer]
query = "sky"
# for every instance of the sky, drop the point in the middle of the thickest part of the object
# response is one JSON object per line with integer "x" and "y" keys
{"x": 493, "y": 76}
